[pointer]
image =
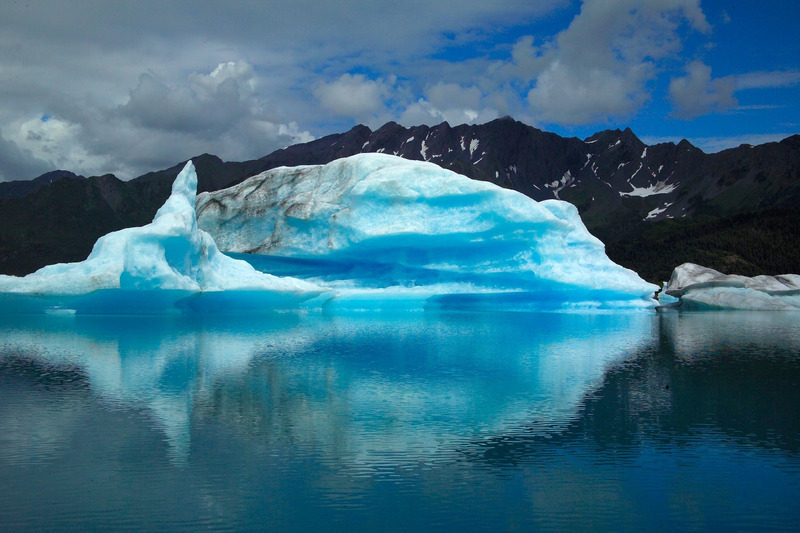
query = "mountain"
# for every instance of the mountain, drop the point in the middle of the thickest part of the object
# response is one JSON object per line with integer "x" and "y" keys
{"x": 21, "y": 189}
{"x": 649, "y": 204}
{"x": 608, "y": 172}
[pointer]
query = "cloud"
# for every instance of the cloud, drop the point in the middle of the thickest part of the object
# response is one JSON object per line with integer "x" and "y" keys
{"x": 423, "y": 112}
{"x": 147, "y": 83}
{"x": 53, "y": 140}
{"x": 600, "y": 65}
{"x": 565, "y": 95}
{"x": 18, "y": 163}
{"x": 697, "y": 93}
{"x": 767, "y": 80}
{"x": 373, "y": 102}
{"x": 452, "y": 95}
{"x": 448, "y": 102}
{"x": 304, "y": 31}
{"x": 354, "y": 95}
{"x": 207, "y": 104}
{"x": 218, "y": 112}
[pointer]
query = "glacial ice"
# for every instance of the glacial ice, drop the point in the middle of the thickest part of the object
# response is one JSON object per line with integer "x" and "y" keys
{"x": 366, "y": 232}
{"x": 388, "y": 232}
{"x": 700, "y": 287}
{"x": 166, "y": 265}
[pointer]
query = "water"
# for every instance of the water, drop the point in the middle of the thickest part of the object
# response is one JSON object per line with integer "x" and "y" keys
{"x": 418, "y": 421}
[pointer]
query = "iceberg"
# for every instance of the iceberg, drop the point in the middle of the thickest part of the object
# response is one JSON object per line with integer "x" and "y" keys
{"x": 167, "y": 265}
{"x": 367, "y": 232}
{"x": 699, "y": 287}
{"x": 384, "y": 231}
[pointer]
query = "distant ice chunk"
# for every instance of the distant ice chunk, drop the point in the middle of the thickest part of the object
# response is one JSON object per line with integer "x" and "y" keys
{"x": 376, "y": 226}
{"x": 153, "y": 267}
{"x": 700, "y": 287}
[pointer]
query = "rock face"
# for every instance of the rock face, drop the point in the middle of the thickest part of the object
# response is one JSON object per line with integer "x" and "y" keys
{"x": 407, "y": 226}
{"x": 611, "y": 171}
{"x": 699, "y": 287}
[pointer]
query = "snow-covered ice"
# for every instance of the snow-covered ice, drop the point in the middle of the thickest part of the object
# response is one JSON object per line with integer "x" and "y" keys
{"x": 700, "y": 287}
{"x": 395, "y": 230}
{"x": 367, "y": 232}
{"x": 154, "y": 268}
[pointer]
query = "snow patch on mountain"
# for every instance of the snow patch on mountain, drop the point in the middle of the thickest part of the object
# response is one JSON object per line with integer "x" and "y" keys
{"x": 637, "y": 171}
{"x": 657, "y": 211}
{"x": 473, "y": 145}
{"x": 559, "y": 185}
{"x": 659, "y": 187}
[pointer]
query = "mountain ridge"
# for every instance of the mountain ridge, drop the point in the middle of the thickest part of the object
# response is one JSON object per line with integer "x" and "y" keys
{"x": 621, "y": 186}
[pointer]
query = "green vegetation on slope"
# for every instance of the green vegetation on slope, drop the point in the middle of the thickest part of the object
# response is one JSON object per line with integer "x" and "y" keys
{"x": 762, "y": 242}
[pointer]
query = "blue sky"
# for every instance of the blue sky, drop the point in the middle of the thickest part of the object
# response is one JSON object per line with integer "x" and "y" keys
{"x": 94, "y": 86}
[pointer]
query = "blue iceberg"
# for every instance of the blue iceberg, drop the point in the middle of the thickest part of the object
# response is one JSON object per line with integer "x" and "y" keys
{"x": 387, "y": 232}
{"x": 167, "y": 265}
{"x": 367, "y": 232}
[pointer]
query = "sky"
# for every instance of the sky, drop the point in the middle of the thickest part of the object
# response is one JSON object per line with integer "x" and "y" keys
{"x": 99, "y": 86}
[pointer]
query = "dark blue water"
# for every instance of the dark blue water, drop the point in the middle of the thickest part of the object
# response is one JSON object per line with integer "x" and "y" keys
{"x": 422, "y": 421}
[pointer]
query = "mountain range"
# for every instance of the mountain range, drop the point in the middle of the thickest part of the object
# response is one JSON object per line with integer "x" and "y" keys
{"x": 654, "y": 206}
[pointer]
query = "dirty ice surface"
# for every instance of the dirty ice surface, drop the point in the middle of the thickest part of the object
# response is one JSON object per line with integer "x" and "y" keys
{"x": 382, "y": 230}
{"x": 699, "y": 287}
{"x": 367, "y": 232}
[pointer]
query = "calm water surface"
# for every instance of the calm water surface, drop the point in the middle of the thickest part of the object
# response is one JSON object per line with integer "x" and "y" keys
{"x": 423, "y": 421}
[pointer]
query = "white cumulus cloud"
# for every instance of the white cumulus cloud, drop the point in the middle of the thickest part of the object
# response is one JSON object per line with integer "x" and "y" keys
{"x": 219, "y": 112}
{"x": 448, "y": 102}
{"x": 600, "y": 65}
{"x": 698, "y": 93}
{"x": 354, "y": 95}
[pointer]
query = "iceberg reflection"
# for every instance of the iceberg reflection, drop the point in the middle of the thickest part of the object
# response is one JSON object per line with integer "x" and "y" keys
{"x": 388, "y": 389}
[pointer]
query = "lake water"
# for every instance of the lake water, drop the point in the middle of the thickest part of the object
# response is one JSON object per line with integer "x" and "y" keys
{"x": 408, "y": 422}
